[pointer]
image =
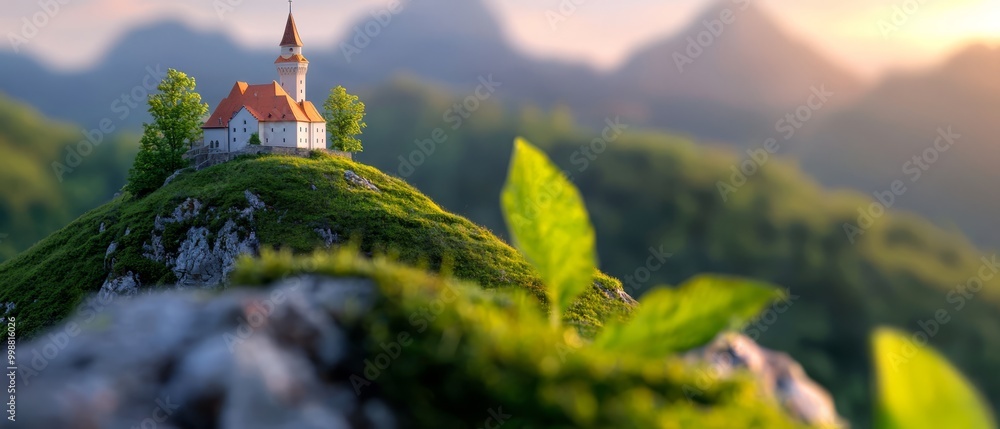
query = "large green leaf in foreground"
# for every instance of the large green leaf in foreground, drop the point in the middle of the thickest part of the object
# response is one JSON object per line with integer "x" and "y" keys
{"x": 674, "y": 320}
{"x": 549, "y": 225}
{"x": 919, "y": 389}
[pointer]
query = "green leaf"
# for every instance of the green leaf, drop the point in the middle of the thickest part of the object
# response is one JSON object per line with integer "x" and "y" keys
{"x": 918, "y": 388}
{"x": 674, "y": 320}
{"x": 549, "y": 225}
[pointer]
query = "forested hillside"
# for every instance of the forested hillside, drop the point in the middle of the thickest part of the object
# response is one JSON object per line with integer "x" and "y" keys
{"x": 652, "y": 194}
{"x": 38, "y": 198}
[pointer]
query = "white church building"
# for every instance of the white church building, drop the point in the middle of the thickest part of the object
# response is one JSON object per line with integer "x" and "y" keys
{"x": 277, "y": 112}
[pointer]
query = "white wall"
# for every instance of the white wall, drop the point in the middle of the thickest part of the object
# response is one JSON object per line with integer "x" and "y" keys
{"x": 292, "y": 77}
{"x": 317, "y": 135}
{"x": 241, "y": 127}
{"x": 219, "y": 135}
{"x": 280, "y": 134}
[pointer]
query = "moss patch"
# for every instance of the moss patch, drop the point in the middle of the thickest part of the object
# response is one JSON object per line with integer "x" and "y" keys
{"x": 448, "y": 353}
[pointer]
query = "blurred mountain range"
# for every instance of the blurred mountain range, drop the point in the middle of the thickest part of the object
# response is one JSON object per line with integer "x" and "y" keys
{"x": 733, "y": 76}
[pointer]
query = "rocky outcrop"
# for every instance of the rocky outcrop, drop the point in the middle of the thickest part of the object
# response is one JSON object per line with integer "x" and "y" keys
{"x": 356, "y": 180}
{"x": 779, "y": 376}
{"x": 244, "y": 359}
{"x": 204, "y": 257}
{"x": 126, "y": 285}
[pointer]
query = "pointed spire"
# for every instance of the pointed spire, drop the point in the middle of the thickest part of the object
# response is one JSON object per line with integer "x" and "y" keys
{"x": 291, "y": 37}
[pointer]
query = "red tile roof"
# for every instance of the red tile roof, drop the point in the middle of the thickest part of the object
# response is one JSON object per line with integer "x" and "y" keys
{"x": 267, "y": 103}
{"x": 291, "y": 37}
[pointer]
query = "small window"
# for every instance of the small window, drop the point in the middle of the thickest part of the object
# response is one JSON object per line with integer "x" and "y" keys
{"x": 244, "y": 122}
{"x": 234, "y": 139}
{"x": 244, "y": 130}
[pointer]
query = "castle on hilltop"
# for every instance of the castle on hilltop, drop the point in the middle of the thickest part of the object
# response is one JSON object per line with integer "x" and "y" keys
{"x": 277, "y": 112}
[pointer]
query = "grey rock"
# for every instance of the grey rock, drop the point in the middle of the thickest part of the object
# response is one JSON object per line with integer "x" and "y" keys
{"x": 254, "y": 200}
{"x": 779, "y": 376}
{"x": 173, "y": 176}
{"x": 108, "y": 253}
{"x": 616, "y": 294}
{"x": 356, "y": 180}
{"x": 200, "y": 260}
{"x": 329, "y": 237}
{"x": 126, "y": 285}
{"x": 242, "y": 358}
{"x": 7, "y": 307}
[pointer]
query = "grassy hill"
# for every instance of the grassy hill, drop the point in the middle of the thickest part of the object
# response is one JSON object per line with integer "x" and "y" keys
{"x": 303, "y": 204}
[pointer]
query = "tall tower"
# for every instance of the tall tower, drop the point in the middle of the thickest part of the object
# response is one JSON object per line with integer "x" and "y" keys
{"x": 292, "y": 66}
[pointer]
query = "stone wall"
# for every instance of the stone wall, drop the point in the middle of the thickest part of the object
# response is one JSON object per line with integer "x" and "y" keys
{"x": 204, "y": 157}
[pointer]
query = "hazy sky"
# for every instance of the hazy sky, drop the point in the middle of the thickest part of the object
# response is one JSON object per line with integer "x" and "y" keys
{"x": 600, "y": 32}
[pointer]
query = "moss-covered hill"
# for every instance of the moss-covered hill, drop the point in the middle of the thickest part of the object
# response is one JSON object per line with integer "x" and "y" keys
{"x": 281, "y": 202}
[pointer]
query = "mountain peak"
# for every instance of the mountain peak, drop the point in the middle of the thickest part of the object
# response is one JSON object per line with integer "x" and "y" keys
{"x": 738, "y": 54}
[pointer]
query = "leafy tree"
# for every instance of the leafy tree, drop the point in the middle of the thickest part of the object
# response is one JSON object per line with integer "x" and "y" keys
{"x": 344, "y": 115}
{"x": 177, "y": 113}
{"x": 254, "y": 139}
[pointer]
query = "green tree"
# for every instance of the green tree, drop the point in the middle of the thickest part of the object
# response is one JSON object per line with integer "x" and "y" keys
{"x": 254, "y": 139}
{"x": 177, "y": 113}
{"x": 344, "y": 115}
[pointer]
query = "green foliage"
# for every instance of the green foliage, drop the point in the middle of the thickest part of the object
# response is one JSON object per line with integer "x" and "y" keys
{"x": 652, "y": 190}
{"x": 919, "y": 389}
{"x": 344, "y": 115}
{"x": 549, "y": 225}
{"x": 675, "y": 320}
{"x": 480, "y": 350}
{"x": 51, "y": 278}
{"x": 254, "y": 139}
{"x": 47, "y": 181}
{"x": 177, "y": 113}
